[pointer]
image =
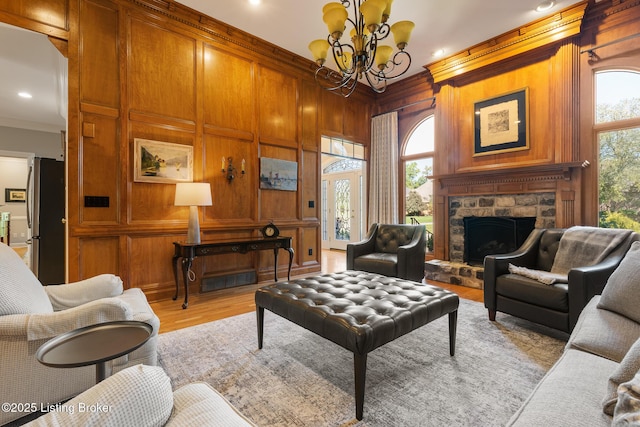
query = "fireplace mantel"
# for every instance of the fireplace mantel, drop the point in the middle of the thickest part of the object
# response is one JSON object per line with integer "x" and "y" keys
{"x": 509, "y": 175}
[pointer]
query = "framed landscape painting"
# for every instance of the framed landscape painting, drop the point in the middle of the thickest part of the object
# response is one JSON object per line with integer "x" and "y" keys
{"x": 163, "y": 162}
{"x": 276, "y": 174}
{"x": 501, "y": 123}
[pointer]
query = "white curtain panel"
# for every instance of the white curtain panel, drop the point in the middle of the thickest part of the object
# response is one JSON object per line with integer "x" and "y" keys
{"x": 383, "y": 188}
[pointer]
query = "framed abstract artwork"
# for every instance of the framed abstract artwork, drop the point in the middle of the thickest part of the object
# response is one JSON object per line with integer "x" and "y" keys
{"x": 501, "y": 123}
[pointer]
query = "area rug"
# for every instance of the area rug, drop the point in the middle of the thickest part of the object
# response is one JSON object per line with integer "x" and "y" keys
{"x": 301, "y": 379}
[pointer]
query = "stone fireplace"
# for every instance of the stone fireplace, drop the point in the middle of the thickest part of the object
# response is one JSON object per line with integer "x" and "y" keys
{"x": 539, "y": 208}
{"x": 548, "y": 195}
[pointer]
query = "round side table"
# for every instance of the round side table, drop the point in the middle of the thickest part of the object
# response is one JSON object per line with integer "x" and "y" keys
{"x": 95, "y": 344}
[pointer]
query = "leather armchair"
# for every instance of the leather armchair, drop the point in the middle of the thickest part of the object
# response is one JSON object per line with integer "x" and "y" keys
{"x": 394, "y": 250}
{"x": 31, "y": 314}
{"x": 557, "y": 306}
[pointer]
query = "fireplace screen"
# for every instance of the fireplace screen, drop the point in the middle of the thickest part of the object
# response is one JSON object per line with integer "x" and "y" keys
{"x": 494, "y": 235}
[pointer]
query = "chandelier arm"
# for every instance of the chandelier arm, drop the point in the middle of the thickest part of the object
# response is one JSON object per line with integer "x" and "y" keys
{"x": 383, "y": 31}
{"x": 376, "y": 83}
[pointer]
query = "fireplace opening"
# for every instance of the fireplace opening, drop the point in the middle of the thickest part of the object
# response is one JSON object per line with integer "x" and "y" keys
{"x": 494, "y": 235}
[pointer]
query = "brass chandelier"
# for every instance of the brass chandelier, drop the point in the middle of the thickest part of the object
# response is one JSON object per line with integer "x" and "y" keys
{"x": 364, "y": 57}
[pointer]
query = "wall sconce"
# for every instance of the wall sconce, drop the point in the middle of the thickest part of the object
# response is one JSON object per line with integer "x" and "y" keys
{"x": 231, "y": 170}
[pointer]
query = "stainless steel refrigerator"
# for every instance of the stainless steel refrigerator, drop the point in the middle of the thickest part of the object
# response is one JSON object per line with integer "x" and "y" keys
{"x": 45, "y": 217}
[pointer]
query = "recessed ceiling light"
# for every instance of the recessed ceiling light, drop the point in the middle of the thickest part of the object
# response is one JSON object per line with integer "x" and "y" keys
{"x": 26, "y": 95}
{"x": 255, "y": 2}
{"x": 545, "y": 5}
{"x": 438, "y": 53}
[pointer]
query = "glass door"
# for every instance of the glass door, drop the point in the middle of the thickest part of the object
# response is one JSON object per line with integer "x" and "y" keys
{"x": 342, "y": 210}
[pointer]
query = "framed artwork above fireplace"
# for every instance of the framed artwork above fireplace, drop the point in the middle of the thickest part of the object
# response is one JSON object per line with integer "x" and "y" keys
{"x": 501, "y": 123}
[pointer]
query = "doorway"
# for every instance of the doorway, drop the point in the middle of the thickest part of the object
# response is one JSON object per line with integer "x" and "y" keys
{"x": 33, "y": 121}
{"x": 343, "y": 195}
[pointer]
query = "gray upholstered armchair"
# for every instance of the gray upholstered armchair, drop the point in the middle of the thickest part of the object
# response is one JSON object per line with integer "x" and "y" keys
{"x": 395, "y": 250}
{"x": 545, "y": 280}
{"x": 31, "y": 314}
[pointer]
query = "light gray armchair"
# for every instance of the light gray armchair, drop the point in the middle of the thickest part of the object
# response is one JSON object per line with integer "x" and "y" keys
{"x": 31, "y": 314}
{"x": 395, "y": 250}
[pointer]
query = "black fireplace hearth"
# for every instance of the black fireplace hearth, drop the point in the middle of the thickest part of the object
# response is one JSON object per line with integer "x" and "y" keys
{"x": 494, "y": 235}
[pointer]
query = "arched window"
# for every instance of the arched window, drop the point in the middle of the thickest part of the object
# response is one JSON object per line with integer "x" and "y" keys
{"x": 617, "y": 129}
{"x": 417, "y": 159}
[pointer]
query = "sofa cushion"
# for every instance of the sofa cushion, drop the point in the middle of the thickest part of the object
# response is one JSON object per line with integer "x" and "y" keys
{"x": 570, "y": 394}
{"x": 592, "y": 332}
{"x": 198, "y": 404}
{"x": 629, "y": 366}
{"x": 20, "y": 290}
{"x": 627, "y": 410}
{"x": 137, "y": 396}
{"x": 621, "y": 294}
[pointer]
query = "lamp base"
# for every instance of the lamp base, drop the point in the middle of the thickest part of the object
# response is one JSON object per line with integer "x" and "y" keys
{"x": 193, "y": 234}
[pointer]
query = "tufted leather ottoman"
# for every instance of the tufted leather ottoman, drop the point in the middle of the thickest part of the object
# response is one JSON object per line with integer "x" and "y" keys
{"x": 359, "y": 311}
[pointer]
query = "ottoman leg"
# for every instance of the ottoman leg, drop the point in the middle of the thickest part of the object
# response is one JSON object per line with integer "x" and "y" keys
{"x": 360, "y": 370}
{"x": 453, "y": 323}
{"x": 260, "y": 321}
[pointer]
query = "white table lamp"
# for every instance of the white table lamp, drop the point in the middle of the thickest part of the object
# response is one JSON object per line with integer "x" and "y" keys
{"x": 193, "y": 194}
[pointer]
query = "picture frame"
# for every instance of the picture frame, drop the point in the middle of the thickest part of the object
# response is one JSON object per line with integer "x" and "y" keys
{"x": 276, "y": 174}
{"x": 15, "y": 195}
{"x": 502, "y": 123}
{"x": 162, "y": 162}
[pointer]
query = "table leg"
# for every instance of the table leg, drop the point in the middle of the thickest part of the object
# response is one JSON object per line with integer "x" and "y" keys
{"x": 186, "y": 266}
{"x": 360, "y": 371}
{"x": 290, "y": 250}
{"x": 175, "y": 275}
{"x": 275, "y": 269}
{"x": 102, "y": 371}
{"x": 260, "y": 321}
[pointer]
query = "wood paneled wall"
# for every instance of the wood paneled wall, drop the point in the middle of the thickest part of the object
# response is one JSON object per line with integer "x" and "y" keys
{"x": 543, "y": 56}
{"x": 157, "y": 70}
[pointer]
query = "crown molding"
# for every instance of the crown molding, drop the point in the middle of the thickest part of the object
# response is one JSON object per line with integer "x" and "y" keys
{"x": 564, "y": 24}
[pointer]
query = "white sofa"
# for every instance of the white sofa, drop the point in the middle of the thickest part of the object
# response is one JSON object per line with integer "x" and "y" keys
{"x": 596, "y": 381}
{"x": 141, "y": 396}
{"x": 31, "y": 314}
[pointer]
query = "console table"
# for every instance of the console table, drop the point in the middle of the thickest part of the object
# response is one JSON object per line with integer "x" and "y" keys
{"x": 189, "y": 251}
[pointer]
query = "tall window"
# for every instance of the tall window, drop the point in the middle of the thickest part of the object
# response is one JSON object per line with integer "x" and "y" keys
{"x": 417, "y": 157}
{"x": 617, "y": 128}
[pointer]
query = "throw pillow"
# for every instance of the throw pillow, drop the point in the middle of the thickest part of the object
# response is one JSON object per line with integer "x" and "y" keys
{"x": 627, "y": 411}
{"x": 625, "y": 371}
{"x": 540, "y": 275}
{"x": 20, "y": 290}
{"x": 621, "y": 294}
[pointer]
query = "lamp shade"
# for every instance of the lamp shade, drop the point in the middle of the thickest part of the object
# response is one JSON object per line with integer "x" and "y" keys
{"x": 383, "y": 53}
{"x": 319, "y": 49}
{"x": 402, "y": 33}
{"x": 335, "y": 18}
{"x": 193, "y": 194}
{"x": 372, "y": 12}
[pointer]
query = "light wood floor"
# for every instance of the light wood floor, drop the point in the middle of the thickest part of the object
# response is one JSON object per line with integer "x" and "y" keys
{"x": 216, "y": 305}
